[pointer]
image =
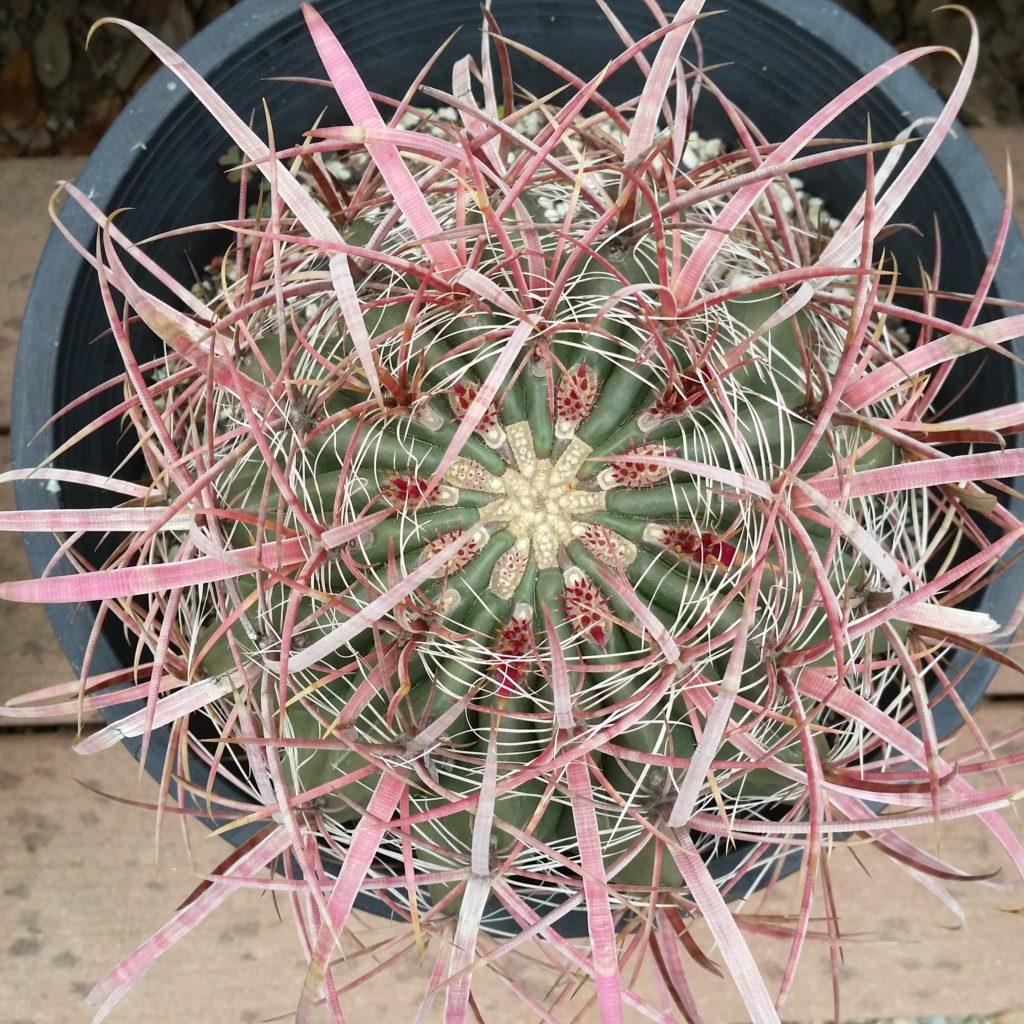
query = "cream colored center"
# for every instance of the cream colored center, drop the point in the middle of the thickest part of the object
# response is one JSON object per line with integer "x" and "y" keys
{"x": 538, "y": 501}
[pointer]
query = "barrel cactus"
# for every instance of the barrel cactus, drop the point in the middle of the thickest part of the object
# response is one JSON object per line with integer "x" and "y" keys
{"x": 545, "y": 512}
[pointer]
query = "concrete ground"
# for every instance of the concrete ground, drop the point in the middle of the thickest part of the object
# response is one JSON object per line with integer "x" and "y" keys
{"x": 80, "y": 882}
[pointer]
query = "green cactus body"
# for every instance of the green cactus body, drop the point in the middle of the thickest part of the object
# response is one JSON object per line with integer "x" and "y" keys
{"x": 563, "y": 509}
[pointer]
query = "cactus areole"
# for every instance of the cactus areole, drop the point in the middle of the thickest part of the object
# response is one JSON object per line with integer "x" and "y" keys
{"x": 539, "y": 508}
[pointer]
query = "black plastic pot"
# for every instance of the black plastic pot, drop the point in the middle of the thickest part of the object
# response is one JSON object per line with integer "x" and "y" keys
{"x": 786, "y": 59}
